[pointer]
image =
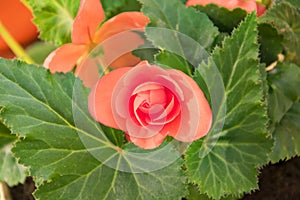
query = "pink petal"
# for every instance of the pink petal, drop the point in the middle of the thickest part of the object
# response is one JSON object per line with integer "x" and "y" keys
{"x": 156, "y": 140}
{"x": 195, "y": 110}
{"x": 147, "y": 143}
{"x": 248, "y": 5}
{"x": 89, "y": 17}
{"x": 64, "y": 58}
{"x": 261, "y": 9}
{"x": 100, "y": 99}
{"x": 126, "y": 87}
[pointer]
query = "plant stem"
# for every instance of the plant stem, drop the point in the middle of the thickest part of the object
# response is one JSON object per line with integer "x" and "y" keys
{"x": 13, "y": 44}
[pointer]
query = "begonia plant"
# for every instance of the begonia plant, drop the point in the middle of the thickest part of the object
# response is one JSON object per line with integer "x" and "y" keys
{"x": 152, "y": 99}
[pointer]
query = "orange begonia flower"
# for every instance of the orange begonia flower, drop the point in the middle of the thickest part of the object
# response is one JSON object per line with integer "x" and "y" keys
{"x": 86, "y": 35}
{"x": 149, "y": 103}
{"x": 247, "y": 5}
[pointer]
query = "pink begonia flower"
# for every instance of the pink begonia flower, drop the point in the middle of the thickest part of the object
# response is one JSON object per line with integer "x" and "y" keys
{"x": 247, "y": 5}
{"x": 86, "y": 35}
{"x": 149, "y": 103}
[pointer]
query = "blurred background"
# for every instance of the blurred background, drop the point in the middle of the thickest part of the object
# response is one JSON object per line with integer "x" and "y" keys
{"x": 16, "y": 18}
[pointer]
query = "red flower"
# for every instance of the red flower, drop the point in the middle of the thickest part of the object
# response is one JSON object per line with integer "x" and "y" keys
{"x": 150, "y": 103}
{"x": 86, "y": 35}
{"x": 248, "y": 5}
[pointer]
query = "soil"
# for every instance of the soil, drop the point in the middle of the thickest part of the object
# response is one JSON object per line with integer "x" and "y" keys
{"x": 23, "y": 191}
{"x": 280, "y": 181}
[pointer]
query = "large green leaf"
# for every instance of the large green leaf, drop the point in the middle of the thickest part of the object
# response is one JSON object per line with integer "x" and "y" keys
{"x": 10, "y": 171}
{"x": 226, "y": 161}
{"x": 174, "y": 28}
{"x": 5, "y": 136}
{"x": 285, "y": 18}
{"x": 226, "y": 20}
{"x": 54, "y": 19}
{"x": 176, "y": 16}
{"x": 284, "y": 96}
{"x": 286, "y": 135}
{"x": 194, "y": 194}
{"x": 68, "y": 152}
{"x": 284, "y": 90}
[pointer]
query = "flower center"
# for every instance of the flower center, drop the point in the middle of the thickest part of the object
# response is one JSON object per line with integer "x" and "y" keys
{"x": 153, "y": 104}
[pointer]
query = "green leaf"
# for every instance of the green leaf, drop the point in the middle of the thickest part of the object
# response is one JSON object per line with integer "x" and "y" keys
{"x": 194, "y": 194}
{"x": 226, "y": 20}
{"x": 115, "y": 7}
{"x": 5, "y": 136}
{"x": 38, "y": 51}
{"x": 10, "y": 171}
{"x": 54, "y": 19}
{"x": 285, "y": 18}
{"x": 226, "y": 161}
{"x": 68, "y": 152}
{"x": 270, "y": 43}
{"x": 284, "y": 110}
{"x": 168, "y": 59}
{"x": 174, "y": 32}
{"x": 111, "y": 7}
{"x": 295, "y": 3}
{"x": 176, "y": 16}
{"x": 284, "y": 90}
{"x": 115, "y": 136}
{"x": 286, "y": 135}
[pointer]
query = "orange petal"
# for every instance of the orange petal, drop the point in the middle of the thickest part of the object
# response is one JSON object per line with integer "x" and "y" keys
{"x": 119, "y": 23}
{"x": 118, "y": 39}
{"x": 88, "y": 71}
{"x": 100, "y": 99}
{"x": 89, "y": 17}
{"x": 117, "y": 49}
{"x": 64, "y": 58}
{"x": 125, "y": 60}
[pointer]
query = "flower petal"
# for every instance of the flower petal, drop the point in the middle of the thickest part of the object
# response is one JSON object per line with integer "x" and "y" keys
{"x": 118, "y": 39}
{"x": 194, "y": 109}
{"x": 117, "y": 49}
{"x": 89, "y": 17}
{"x": 100, "y": 99}
{"x": 249, "y": 5}
{"x": 147, "y": 143}
{"x": 88, "y": 71}
{"x": 64, "y": 58}
{"x": 261, "y": 9}
{"x": 122, "y": 22}
{"x": 157, "y": 139}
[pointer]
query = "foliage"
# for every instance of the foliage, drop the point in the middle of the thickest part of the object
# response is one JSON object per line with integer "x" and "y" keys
{"x": 247, "y": 66}
{"x": 10, "y": 171}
